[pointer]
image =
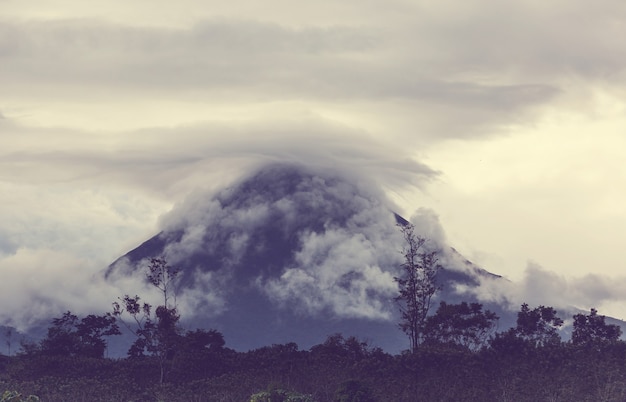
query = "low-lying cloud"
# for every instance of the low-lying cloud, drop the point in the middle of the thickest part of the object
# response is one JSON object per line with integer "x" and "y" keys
{"x": 541, "y": 286}
{"x": 41, "y": 284}
{"x": 347, "y": 250}
{"x": 108, "y": 122}
{"x": 346, "y": 241}
{"x": 346, "y": 270}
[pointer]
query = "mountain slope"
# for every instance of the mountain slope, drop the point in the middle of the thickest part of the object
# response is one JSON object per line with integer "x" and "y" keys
{"x": 291, "y": 254}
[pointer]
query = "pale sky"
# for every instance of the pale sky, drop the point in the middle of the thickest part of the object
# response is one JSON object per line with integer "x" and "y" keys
{"x": 111, "y": 112}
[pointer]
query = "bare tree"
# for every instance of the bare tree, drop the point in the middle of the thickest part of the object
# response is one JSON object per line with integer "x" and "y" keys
{"x": 417, "y": 285}
{"x": 163, "y": 277}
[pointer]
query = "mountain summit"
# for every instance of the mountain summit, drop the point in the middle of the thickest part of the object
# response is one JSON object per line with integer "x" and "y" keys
{"x": 290, "y": 254}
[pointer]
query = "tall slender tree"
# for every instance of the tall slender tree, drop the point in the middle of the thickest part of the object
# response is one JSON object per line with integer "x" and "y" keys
{"x": 157, "y": 330}
{"x": 8, "y": 335}
{"x": 417, "y": 285}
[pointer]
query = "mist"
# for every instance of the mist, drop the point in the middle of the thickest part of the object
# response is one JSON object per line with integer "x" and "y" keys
{"x": 346, "y": 271}
{"x": 540, "y": 286}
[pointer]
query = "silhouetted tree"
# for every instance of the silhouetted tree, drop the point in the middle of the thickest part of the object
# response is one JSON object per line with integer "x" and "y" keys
{"x": 199, "y": 354}
{"x": 62, "y": 338}
{"x": 338, "y": 347}
{"x": 91, "y": 331}
{"x": 69, "y": 336}
{"x": 157, "y": 332}
{"x": 463, "y": 324}
{"x": 534, "y": 328}
{"x": 203, "y": 340}
{"x": 417, "y": 285}
{"x": 163, "y": 277}
{"x": 538, "y": 326}
{"x": 592, "y": 328}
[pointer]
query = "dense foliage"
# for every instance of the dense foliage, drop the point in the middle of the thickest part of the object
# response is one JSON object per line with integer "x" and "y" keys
{"x": 454, "y": 355}
{"x": 525, "y": 363}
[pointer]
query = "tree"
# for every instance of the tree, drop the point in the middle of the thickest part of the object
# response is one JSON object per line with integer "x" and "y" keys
{"x": 592, "y": 328}
{"x": 91, "y": 331}
{"x": 417, "y": 285}
{"x": 200, "y": 354}
{"x": 337, "y": 347}
{"x": 538, "y": 326}
{"x": 8, "y": 334}
{"x": 62, "y": 338}
{"x": 534, "y": 328}
{"x": 157, "y": 331}
{"x": 163, "y": 277}
{"x": 69, "y": 336}
{"x": 463, "y": 324}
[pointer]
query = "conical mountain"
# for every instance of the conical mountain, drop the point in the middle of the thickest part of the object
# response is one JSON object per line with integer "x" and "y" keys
{"x": 290, "y": 254}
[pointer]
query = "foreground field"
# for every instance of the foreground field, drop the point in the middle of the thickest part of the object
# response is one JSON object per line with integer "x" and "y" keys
{"x": 340, "y": 369}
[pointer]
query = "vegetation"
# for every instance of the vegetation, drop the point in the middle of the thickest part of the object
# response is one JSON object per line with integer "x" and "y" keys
{"x": 589, "y": 330}
{"x": 282, "y": 395}
{"x": 69, "y": 336}
{"x": 15, "y": 396}
{"x": 461, "y": 360}
{"x": 158, "y": 333}
{"x": 463, "y": 324}
{"x": 417, "y": 285}
{"x": 454, "y": 355}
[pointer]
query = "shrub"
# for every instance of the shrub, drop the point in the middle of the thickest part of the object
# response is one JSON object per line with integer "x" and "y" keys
{"x": 280, "y": 395}
{"x": 14, "y": 396}
{"x": 353, "y": 391}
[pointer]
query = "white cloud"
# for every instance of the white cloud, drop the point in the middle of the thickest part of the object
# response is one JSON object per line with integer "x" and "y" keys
{"x": 347, "y": 270}
{"x": 207, "y": 295}
{"x": 549, "y": 288}
{"x": 42, "y": 283}
{"x": 112, "y": 114}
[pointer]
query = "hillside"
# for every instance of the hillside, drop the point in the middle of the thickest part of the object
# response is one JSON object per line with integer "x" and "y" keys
{"x": 290, "y": 254}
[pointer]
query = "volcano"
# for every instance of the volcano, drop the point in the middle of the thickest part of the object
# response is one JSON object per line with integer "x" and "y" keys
{"x": 292, "y": 254}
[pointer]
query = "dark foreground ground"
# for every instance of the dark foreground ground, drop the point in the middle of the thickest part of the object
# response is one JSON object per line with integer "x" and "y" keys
{"x": 338, "y": 370}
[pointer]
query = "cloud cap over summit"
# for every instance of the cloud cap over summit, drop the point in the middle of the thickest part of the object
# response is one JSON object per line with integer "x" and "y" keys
{"x": 287, "y": 250}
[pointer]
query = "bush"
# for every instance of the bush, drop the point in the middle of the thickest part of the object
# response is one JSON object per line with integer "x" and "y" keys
{"x": 353, "y": 391}
{"x": 280, "y": 395}
{"x": 15, "y": 396}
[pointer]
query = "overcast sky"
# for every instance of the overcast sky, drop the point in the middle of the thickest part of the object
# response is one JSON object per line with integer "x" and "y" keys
{"x": 505, "y": 118}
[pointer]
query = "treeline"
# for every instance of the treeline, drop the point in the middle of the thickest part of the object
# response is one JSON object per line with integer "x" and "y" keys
{"x": 455, "y": 354}
{"x": 458, "y": 360}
